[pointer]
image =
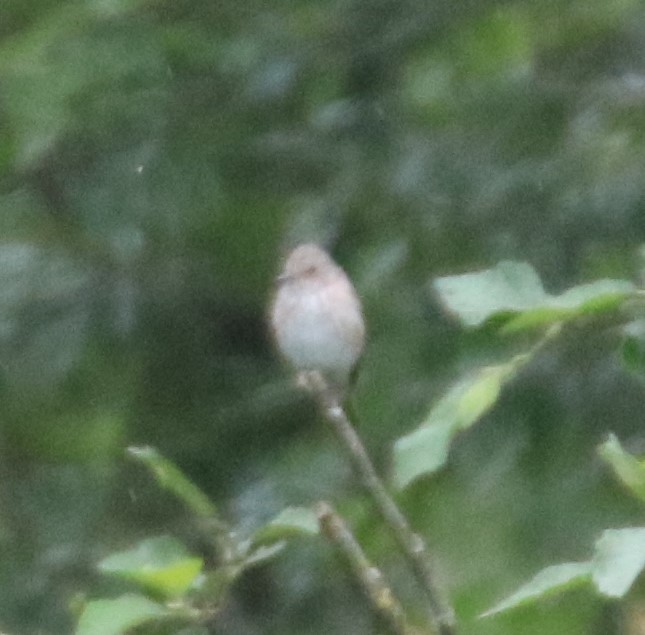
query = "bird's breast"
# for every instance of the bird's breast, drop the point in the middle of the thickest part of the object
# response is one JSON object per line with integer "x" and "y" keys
{"x": 317, "y": 328}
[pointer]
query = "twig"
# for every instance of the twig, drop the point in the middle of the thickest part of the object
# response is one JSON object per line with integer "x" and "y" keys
{"x": 383, "y": 601}
{"x": 411, "y": 544}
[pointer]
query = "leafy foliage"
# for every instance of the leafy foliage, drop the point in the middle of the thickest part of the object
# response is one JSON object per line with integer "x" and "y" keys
{"x": 171, "y": 478}
{"x": 164, "y": 568}
{"x": 513, "y": 291}
{"x": 619, "y": 555}
{"x": 559, "y": 577}
{"x": 113, "y": 617}
{"x": 426, "y": 449}
{"x": 619, "y": 558}
{"x": 161, "y": 564}
{"x": 289, "y": 522}
{"x": 629, "y": 470}
{"x": 156, "y": 157}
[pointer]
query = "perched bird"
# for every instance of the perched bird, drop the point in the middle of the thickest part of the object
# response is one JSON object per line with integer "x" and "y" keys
{"x": 316, "y": 316}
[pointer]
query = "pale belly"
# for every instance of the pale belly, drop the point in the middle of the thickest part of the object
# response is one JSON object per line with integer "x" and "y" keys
{"x": 312, "y": 337}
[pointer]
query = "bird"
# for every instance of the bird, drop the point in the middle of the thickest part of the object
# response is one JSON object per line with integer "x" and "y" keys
{"x": 316, "y": 317}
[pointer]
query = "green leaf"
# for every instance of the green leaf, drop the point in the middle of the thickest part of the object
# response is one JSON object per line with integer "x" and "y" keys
{"x": 475, "y": 297}
{"x": 263, "y": 554}
{"x": 290, "y": 522}
{"x": 618, "y": 560}
{"x": 598, "y": 296}
{"x": 551, "y": 580}
{"x": 160, "y": 564}
{"x": 115, "y": 617}
{"x": 170, "y": 477}
{"x": 482, "y": 394}
{"x": 514, "y": 292}
{"x": 536, "y": 318}
{"x": 426, "y": 449}
{"x": 422, "y": 452}
{"x": 629, "y": 470}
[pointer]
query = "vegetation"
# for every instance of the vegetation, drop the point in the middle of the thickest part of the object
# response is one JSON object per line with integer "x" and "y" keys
{"x": 475, "y": 167}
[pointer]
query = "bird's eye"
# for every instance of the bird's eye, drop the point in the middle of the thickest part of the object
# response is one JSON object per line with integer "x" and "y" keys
{"x": 310, "y": 271}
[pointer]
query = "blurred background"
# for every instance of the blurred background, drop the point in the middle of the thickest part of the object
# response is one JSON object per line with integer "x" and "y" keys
{"x": 158, "y": 157}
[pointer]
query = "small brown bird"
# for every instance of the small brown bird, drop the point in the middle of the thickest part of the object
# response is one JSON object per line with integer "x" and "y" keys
{"x": 316, "y": 316}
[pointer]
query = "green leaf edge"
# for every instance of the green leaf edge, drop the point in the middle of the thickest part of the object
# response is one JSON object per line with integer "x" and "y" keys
{"x": 94, "y": 609}
{"x": 436, "y": 429}
{"x": 547, "y": 309}
{"x": 574, "y": 574}
{"x": 629, "y": 471}
{"x": 171, "y": 478}
{"x": 290, "y": 522}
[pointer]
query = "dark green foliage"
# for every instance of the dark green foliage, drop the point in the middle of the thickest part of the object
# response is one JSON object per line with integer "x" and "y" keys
{"x": 156, "y": 157}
